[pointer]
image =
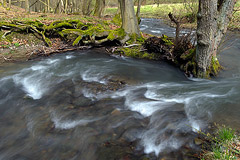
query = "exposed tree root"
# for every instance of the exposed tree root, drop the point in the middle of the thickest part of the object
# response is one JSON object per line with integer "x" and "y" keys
{"x": 74, "y": 31}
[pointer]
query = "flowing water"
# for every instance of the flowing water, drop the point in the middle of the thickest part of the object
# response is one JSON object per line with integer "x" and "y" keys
{"x": 87, "y": 105}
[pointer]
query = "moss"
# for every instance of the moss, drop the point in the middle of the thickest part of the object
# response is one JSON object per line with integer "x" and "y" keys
{"x": 80, "y": 25}
{"x": 116, "y": 34}
{"x": 189, "y": 54}
{"x": 167, "y": 40}
{"x": 215, "y": 66}
{"x": 117, "y": 20}
{"x": 134, "y": 38}
{"x": 35, "y": 23}
{"x": 76, "y": 21}
{"x": 77, "y": 40}
{"x": 12, "y": 25}
{"x": 73, "y": 31}
{"x": 1, "y": 35}
{"x": 63, "y": 24}
{"x": 135, "y": 52}
{"x": 94, "y": 30}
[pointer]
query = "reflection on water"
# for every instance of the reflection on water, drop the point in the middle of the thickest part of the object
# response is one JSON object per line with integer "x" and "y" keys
{"x": 87, "y": 105}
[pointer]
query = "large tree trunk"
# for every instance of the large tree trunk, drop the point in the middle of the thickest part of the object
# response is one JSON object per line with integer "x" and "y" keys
{"x": 99, "y": 8}
{"x": 213, "y": 18}
{"x": 129, "y": 19}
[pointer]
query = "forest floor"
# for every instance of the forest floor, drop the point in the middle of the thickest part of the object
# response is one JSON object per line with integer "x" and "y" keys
{"x": 21, "y": 46}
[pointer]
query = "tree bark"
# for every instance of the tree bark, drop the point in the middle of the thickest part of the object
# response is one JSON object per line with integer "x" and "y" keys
{"x": 129, "y": 19}
{"x": 27, "y": 8}
{"x": 9, "y": 4}
{"x": 86, "y": 7}
{"x": 139, "y": 8}
{"x": 213, "y": 18}
{"x": 48, "y": 6}
{"x": 99, "y": 8}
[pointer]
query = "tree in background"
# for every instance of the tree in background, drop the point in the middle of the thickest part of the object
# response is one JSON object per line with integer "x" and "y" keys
{"x": 138, "y": 8}
{"x": 213, "y": 18}
{"x": 99, "y": 8}
{"x": 86, "y": 7}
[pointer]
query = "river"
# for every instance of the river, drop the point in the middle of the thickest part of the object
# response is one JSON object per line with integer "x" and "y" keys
{"x": 88, "y": 105}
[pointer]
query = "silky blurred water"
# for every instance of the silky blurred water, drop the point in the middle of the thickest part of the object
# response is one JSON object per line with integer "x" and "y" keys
{"x": 63, "y": 107}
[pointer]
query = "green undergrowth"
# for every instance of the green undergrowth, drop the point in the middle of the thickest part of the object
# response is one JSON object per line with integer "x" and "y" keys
{"x": 222, "y": 144}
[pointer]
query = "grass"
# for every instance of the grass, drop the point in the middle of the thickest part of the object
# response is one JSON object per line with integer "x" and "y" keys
{"x": 155, "y": 11}
{"x": 223, "y": 144}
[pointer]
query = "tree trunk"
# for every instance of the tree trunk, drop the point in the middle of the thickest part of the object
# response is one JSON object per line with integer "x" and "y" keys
{"x": 86, "y": 7}
{"x": 213, "y": 18}
{"x": 9, "y": 4}
{"x": 66, "y": 6}
{"x": 27, "y": 8}
{"x": 139, "y": 8}
{"x": 129, "y": 19}
{"x": 99, "y": 8}
{"x": 48, "y": 6}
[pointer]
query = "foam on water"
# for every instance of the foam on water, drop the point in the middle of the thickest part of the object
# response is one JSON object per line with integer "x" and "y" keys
{"x": 160, "y": 96}
{"x": 69, "y": 56}
{"x": 38, "y": 68}
{"x": 91, "y": 75}
{"x": 59, "y": 123}
{"x": 153, "y": 31}
{"x": 35, "y": 80}
{"x": 32, "y": 85}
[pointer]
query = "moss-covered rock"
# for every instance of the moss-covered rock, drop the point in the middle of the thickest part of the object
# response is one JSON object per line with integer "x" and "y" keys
{"x": 136, "y": 52}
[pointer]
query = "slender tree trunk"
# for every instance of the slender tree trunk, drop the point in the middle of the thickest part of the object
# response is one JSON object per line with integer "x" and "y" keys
{"x": 80, "y": 8}
{"x": 66, "y": 6}
{"x": 27, "y": 8}
{"x": 9, "y": 4}
{"x": 48, "y": 6}
{"x": 139, "y": 8}
{"x": 85, "y": 7}
{"x": 129, "y": 19}
{"x": 213, "y": 18}
{"x": 61, "y": 6}
{"x": 99, "y": 8}
{"x": 119, "y": 9}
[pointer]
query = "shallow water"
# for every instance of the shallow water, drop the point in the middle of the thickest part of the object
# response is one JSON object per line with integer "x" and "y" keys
{"x": 71, "y": 106}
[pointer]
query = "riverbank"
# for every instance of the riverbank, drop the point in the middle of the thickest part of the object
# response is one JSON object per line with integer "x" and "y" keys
{"x": 27, "y": 36}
